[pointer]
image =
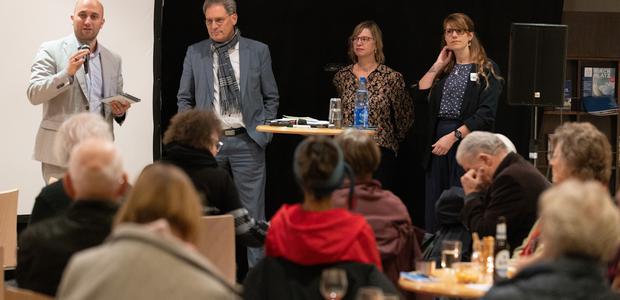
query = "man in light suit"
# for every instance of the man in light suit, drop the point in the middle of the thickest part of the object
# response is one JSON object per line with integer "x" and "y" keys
{"x": 62, "y": 81}
{"x": 232, "y": 76}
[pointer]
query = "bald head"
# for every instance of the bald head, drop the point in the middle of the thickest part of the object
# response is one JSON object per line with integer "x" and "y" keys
{"x": 96, "y": 170}
{"x": 80, "y": 4}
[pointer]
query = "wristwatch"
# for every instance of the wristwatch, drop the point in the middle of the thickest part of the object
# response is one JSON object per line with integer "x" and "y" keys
{"x": 458, "y": 134}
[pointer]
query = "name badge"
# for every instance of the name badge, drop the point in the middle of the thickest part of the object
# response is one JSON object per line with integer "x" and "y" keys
{"x": 473, "y": 76}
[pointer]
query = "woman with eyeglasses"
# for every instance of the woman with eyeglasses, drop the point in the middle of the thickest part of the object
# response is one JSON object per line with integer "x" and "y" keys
{"x": 461, "y": 90}
{"x": 191, "y": 142}
{"x": 390, "y": 106}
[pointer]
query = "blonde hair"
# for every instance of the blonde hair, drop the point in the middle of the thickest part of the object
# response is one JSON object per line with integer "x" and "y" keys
{"x": 360, "y": 152}
{"x": 585, "y": 151}
{"x": 375, "y": 31}
{"x": 476, "y": 51}
{"x": 579, "y": 218}
{"x": 164, "y": 192}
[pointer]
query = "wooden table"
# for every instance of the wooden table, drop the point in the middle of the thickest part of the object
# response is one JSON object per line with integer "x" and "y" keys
{"x": 441, "y": 288}
{"x": 303, "y": 130}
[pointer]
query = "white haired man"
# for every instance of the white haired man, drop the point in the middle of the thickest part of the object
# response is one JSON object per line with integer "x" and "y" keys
{"x": 95, "y": 181}
{"x": 497, "y": 183}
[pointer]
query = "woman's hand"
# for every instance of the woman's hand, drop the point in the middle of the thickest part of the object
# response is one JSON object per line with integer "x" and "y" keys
{"x": 443, "y": 145}
{"x": 443, "y": 59}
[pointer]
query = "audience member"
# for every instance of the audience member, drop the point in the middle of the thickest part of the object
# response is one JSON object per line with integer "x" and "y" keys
{"x": 151, "y": 252}
{"x": 580, "y": 227}
{"x": 95, "y": 180}
{"x": 194, "y": 151}
{"x": 497, "y": 183}
{"x": 306, "y": 238}
{"x": 53, "y": 198}
{"x": 384, "y": 211}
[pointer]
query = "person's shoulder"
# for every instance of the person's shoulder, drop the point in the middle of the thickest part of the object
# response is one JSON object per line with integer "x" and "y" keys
{"x": 253, "y": 43}
{"x": 198, "y": 46}
{"x": 41, "y": 232}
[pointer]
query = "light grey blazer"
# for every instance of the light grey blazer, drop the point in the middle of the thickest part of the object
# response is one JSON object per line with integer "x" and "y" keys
{"x": 259, "y": 92}
{"x": 51, "y": 85}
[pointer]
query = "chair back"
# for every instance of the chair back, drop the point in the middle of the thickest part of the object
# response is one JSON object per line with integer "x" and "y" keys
{"x": 217, "y": 243}
{"x": 13, "y": 293}
{"x": 8, "y": 227}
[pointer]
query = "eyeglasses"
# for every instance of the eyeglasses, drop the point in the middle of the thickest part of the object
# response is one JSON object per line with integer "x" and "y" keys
{"x": 219, "y": 146}
{"x": 449, "y": 31}
{"x": 363, "y": 39}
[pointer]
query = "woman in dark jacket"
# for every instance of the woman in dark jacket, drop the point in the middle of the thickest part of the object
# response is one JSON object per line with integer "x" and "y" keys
{"x": 461, "y": 90}
{"x": 580, "y": 227}
{"x": 191, "y": 143}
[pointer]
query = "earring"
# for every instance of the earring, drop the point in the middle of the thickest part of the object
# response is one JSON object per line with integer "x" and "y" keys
{"x": 469, "y": 44}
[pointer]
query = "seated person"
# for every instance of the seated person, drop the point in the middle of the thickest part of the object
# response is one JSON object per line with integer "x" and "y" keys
{"x": 578, "y": 151}
{"x": 95, "y": 180}
{"x": 580, "y": 227}
{"x": 194, "y": 151}
{"x": 384, "y": 211}
{"x": 312, "y": 233}
{"x": 497, "y": 183}
{"x": 151, "y": 253}
{"x": 53, "y": 199}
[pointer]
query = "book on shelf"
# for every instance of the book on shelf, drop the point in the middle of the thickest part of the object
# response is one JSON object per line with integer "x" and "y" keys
{"x": 599, "y": 81}
{"x": 568, "y": 96}
{"x": 600, "y": 105}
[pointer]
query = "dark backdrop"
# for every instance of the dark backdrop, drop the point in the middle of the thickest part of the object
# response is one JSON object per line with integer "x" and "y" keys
{"x": 305, "y": 36}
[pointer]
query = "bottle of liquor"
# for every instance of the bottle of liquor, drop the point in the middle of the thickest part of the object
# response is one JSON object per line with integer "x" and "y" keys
{"x": 502, "y": 252}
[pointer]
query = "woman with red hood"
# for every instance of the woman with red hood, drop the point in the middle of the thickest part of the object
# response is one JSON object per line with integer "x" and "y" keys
{"x": 313, "y": 232}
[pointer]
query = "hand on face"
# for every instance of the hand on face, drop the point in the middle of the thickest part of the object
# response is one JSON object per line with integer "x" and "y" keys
{"x": 471, "y": 181}
{"x": 76, "y": 60}
{"x": 444, "y": 57}
{"x": 443, "y": 145}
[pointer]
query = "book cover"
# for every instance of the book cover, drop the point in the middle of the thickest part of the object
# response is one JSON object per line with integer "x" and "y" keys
{"x": 598, "y": 82}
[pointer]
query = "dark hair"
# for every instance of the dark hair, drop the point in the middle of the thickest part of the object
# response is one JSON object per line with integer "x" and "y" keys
{"x": 193, "y": 128}
{"x": 319, "y": 165}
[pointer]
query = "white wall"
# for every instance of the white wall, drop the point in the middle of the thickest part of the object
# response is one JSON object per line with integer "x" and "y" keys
{"x": 24, "y": 25}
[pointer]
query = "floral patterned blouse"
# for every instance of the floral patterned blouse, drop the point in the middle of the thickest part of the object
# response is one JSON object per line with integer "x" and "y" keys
{"x": 390, "y": 105}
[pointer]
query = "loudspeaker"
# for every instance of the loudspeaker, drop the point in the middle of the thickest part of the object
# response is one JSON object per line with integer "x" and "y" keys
{"x": 537, "y": 64}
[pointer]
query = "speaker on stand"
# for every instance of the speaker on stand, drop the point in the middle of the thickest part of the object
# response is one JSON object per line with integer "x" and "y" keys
{"x": 536, "y": 70}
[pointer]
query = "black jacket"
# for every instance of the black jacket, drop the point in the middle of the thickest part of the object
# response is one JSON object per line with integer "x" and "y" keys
{"x": 217, "y": 189}
{"x": 477, "y": 112}
{"x": 566, "y": 278}
{"x": 51, "y": 202}
{"x": 276, "y": 278}
{"x": 214, "y": 184}
{"x": 513, "y": 194}
{"x": 46, "y": 247}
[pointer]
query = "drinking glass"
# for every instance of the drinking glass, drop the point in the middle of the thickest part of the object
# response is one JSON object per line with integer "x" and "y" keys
{"x": 369, "y": 293}
{"x": 333, "y": 284}
{"x": 450, "y": 253}
{"x": 335, "y": 112}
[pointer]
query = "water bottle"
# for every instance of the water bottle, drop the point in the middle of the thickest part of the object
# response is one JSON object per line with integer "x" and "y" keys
{"x": 360, "y": 119}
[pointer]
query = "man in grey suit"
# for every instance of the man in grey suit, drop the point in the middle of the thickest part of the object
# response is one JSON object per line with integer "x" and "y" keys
{"x": 68, "y": 81}
{"x": 232, "y": 76}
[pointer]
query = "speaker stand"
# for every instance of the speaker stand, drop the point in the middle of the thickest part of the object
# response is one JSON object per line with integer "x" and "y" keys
{"x": 533, "y": 147}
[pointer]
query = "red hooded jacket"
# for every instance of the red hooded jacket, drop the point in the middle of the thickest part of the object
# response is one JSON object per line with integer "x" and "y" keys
{"x": 311, "y": 238}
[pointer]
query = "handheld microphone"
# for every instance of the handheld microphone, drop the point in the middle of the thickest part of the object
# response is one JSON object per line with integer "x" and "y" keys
{"x": 85, "y": 57}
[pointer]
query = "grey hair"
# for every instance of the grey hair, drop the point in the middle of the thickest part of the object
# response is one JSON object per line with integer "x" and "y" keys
{"x": 509, "y": 145}
{"x": 229, "y": 5}
{"x": 96, "y": 167}
{"x": 479, "y": 142}
{"x": 579, "y": 218}
{"x": 76, "y": 129}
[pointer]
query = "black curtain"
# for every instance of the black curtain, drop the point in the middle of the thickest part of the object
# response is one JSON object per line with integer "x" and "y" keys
{"x": 306, "y": 36}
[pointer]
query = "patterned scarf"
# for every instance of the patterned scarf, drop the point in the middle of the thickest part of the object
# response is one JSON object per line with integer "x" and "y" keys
{"x": 230, "y": 97}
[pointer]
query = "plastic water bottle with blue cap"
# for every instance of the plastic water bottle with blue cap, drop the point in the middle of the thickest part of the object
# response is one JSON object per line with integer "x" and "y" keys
{"x": 360, "y": 113}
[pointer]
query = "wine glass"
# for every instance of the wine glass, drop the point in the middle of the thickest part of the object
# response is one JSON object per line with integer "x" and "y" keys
{"x": 333, "y": 284}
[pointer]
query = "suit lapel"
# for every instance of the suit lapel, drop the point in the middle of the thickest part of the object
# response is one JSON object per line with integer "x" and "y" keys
{"x": 71, "y": 46}
{"x": 207, "y": 60}
{"x": 107, "y": 81}
{"x": 244, "y": 63}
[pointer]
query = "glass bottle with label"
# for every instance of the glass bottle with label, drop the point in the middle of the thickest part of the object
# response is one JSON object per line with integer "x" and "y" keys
{"x": 502, "y": 252}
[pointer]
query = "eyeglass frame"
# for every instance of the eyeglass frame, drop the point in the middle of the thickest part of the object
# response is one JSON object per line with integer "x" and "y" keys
{"x": 363, "y": 39}
{"x": 459, "y": 31}
{"x": 217, "y": 21}
{"x": 219, "y": 145}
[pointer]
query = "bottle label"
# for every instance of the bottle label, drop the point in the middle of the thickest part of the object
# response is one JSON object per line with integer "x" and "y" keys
{"x": 502, "y": 258}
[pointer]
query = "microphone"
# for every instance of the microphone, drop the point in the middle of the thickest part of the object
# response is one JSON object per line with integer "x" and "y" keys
{"x": 85, "y": 57}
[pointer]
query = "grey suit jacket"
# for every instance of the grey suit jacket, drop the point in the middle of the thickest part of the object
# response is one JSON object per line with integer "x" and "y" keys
{"x": 259, "y": 92}
{"x": 61, "y": 96}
